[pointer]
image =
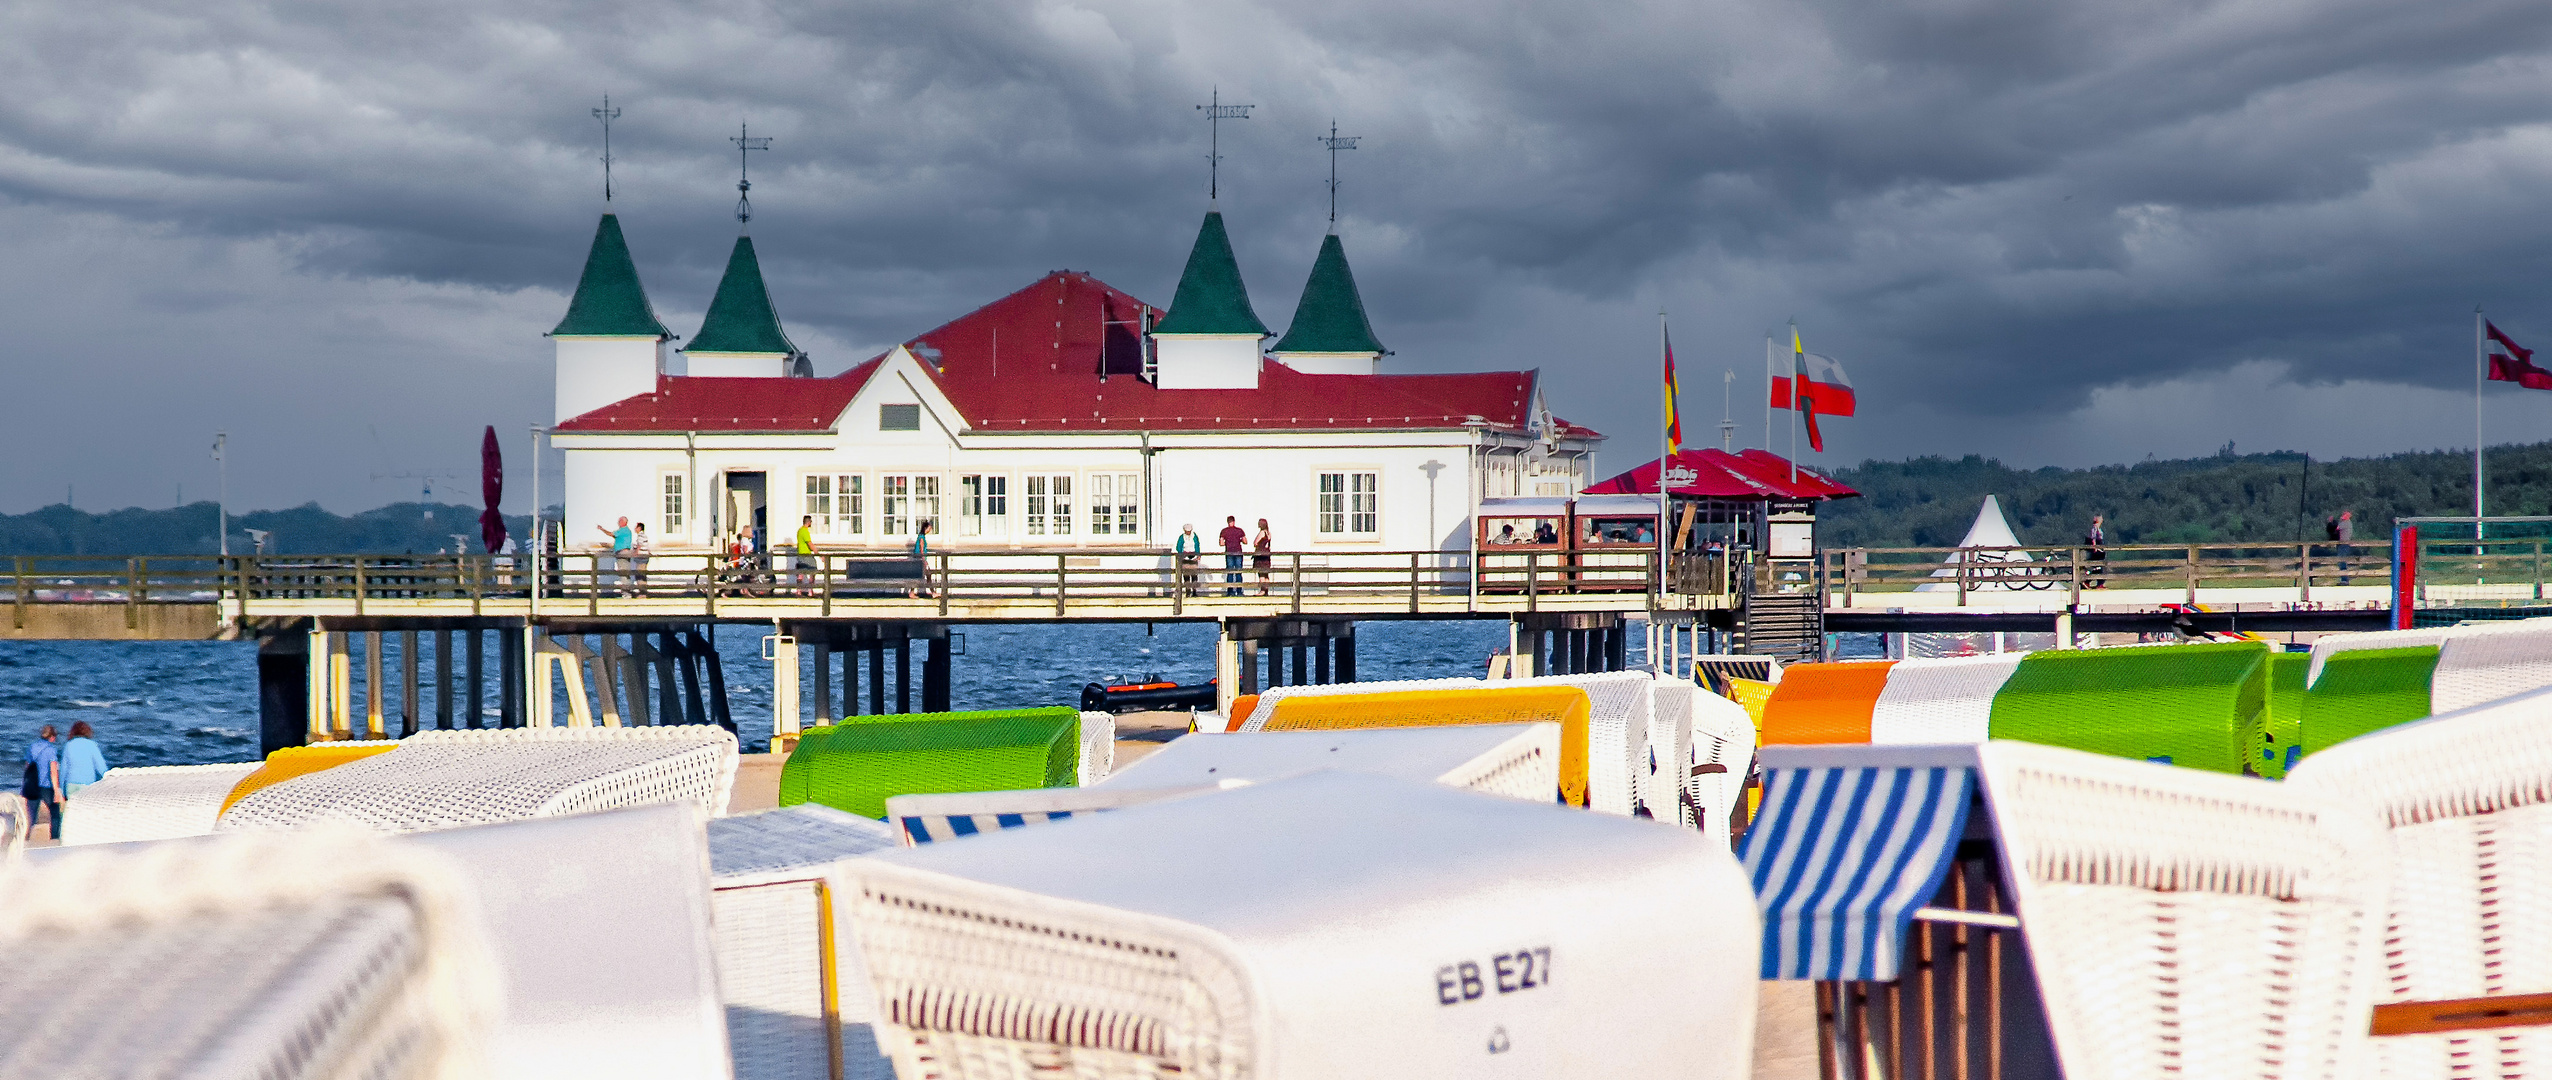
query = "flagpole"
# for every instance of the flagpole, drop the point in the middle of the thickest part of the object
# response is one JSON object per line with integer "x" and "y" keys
{"x": 1795, "y": 390}
{"x": 1767, "y": 392}
{"x": 2480, "y": 369}
{"x": 1665, "y": 450}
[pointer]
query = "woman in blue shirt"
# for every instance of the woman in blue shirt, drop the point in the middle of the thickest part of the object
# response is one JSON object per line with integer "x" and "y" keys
{"x": 82, "y": 763}
{"x": 43, "y": 778}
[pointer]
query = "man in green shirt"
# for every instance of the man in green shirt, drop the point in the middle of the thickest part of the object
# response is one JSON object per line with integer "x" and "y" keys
{"x": 806, "y": 550}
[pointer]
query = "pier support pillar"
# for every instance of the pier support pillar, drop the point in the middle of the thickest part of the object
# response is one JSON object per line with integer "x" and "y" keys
{"x": 1227, "y": 670}
{"x": 283, "y": 692}
{"x": 1322, "y": 651}
{"x": 340, "y": 688}
{"x": 475, "y": 705}
{"x": 1571, "y": 643}
{"x": 373, "y": 722}
{"x": 935, "y": 675}
{"x": 444, "y": 683}
{"x": 408, "y": 720}
{"x": 782, "y": 651}
{"x": 2064, "y": 629}
{"x": 820, "y": 657}
{"x": 509, "y": 678}
{"x": 315, "y": 697}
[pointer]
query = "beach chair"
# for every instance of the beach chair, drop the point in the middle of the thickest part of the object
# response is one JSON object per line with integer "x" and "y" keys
{"x": 2467, "y": 800}
{"x": 2329, "y": 645}
{"x": 291, "y": 761}
{"x": 1332, "y": 925}
{"x": 338, "y": 957}
{"x": 1948, "y": 700}
{"x": 2019, "y": 910}
{"x": 1825, "y": 703}
{"x": 1477, "y": 704}
{"x": 151, "y": 802}
{"x": 797, "y": 1000}
{"x": 443, "y": 779}
{"x": 941, "y": 817}
{"x": 856, "y": 764}
{"x": 2482, "y": 662}
{"x": 1516, "y": 760}
{"x": 1098, "y": 748}
{"x": 2196, "y": 706}
{"x": 2365, "y": 690}
{"x": 1723, "y": 756}
{"x": 2282, "y": 723}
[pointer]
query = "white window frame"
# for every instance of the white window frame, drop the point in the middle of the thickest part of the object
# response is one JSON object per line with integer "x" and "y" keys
{"x": 1049, "y": 504}
{"x": 1356, "y": 500}
{"x": 1116, "y": 499}
{"x": 894, "y": 504}
{"x": 850, "y": 502}
{"x": 983, "y": 505}
{"x": 815, "y": 500}
{"x": 673, "y": 500}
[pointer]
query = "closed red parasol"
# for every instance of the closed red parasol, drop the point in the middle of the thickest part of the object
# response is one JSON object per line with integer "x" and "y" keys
{"x": 492, "y": 489}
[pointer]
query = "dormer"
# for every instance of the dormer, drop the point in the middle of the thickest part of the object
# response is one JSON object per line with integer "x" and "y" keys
{"x": 741, "y": 336}
{"x": 1210, "y": 340}
{"x": 1330, "y": 335}
{"x": 610, "y": 346}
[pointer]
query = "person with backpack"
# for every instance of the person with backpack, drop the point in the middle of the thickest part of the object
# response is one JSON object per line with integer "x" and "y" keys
{"x": 2097, "y": 543}
{"x": 1187, "y": 550}
{"x": 43, "y": 778}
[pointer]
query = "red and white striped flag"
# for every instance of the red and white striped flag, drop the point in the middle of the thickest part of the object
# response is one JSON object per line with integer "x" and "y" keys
{"x": 1817, "y": 386}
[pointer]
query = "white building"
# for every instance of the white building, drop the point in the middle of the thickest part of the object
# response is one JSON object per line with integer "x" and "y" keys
{"x": 1065, "y": 415}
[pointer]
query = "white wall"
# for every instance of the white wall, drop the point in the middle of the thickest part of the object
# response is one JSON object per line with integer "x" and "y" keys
{"x": 1309, "y": 363}
{"x": 738, "y": 365}
{"x": 594, "y": 372}
{"x": 1205, "y": 361}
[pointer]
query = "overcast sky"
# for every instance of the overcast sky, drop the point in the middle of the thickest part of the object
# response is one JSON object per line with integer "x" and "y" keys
{"x": 2052, "y": 231}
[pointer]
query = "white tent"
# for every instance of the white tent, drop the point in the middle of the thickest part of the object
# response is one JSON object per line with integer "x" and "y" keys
{"x": 1991, "y": 530}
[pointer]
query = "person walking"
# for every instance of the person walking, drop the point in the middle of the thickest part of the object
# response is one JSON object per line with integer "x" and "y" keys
{"x": 82, "y": 765}
{"x": 2097, "y": 541}
{"x": 2343, "y": 529}
{"x": 805, "y": 555}
{"x": 1186, "y": 550}
{"x": 43, "y": 778}
{"x": 921, "y": 560}
{"x": 1265, "y": 560}
{"x": 621, "y": 539}
{"x": 1233, "y": 541}
{"x": 639, "y": 552}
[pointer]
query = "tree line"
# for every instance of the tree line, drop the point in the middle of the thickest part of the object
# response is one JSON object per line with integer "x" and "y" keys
{"x": 400, "y": 528}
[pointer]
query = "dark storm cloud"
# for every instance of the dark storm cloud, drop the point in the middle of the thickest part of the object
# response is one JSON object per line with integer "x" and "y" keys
{"x": 1996, "y": 211}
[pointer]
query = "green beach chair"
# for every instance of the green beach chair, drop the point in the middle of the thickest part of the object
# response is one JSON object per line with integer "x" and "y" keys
{"x": 857, "y": 764}
{"x": 2282, "y": 735}
{"x": 2365, "y": 690}
{"x": 2198, "y": 706}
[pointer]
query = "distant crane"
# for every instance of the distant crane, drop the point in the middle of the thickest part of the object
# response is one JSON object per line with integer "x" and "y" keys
{"x": 428, "y": 478}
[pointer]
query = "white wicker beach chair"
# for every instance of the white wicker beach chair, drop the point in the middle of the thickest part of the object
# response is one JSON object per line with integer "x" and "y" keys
{"x": 2328, "y": 644}
{"x": 1940, "y": 701}
{"x": 442, "y": 779}
{"x": 941, "y": 817}
{"x": 2184, "y": 923}
{"x": 797, "y": 1001}
{"x": 1723, "y": 754}
{"x": 1666, "y": 763}
{"x": 1516, "y": 760}
{"x": 1334, "y": 925}
{"x": 2467, "y": 796}
{"x": 343, "y": 957}
{"x": 1619, "y": 705}
{"x": 2484, "y": 662}
{"x": 151, "y": 802}
{"x": 1098, "y": 747}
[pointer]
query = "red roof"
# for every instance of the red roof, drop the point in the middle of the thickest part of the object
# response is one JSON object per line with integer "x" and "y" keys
{"x": 702, "y": 403}
{"x": 1033, "y": 361}
{"x": 1717, "y": 474}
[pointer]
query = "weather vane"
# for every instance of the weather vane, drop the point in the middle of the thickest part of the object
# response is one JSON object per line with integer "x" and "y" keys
{"x": 745, "y": 145}
{"x": 1336, "y": 143}
{"x": 1215, "y": 114}
{"x": 606, "y": 114}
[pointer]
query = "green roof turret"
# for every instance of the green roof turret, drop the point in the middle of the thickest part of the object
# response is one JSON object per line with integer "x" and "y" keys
{"x": 740, "y": 318}
{"x": 1331, "y": 317}
{"x": 609, "y": 301}
{"x": 1211, "y": 298}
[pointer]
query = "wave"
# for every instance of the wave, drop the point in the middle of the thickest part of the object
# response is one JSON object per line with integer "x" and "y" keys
{"x": 87, "y": 704}
{"x": 217, "y": 732}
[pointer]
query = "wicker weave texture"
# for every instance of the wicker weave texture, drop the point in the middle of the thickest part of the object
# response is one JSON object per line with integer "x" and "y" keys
{"x": 1824, "y": 703}
{"x": 2196, "y": 706}
{"x": 1723, "y": 736}
{"x": 335, "y": 957}
{"x": 771, "y": 977}
{"x": 443, "y": 779}
{"x": 292, "y": 761}
{"x": 2366, "y": 690}
{"x": 2182, "y": 924}
{"x": 1098, "y": 748}
{"x": 1949, "y": 700}
{"x": 1618, "y": 709}
{"x": 1566, "y": 705}
{"x": 151, "y": 802}
{"x": 1665, "y": 766}
{"x": 855, "y": 766}
{"x": 2487, "y": 662}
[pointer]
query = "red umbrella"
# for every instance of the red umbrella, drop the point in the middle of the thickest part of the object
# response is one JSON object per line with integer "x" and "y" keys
{"x": 492, "y": 488}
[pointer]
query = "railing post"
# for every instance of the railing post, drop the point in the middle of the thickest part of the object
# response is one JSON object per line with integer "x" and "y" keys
{"x": 2192, "y": 568}
{"x": 1533, "y": 582}
{"x": 133, "y": 594}
{"x": 21, "y": 593}
{"x": 1297, "y": 558}
{"x": 594, "y": 582}
{"x": 2304, "y": 572}
{"x": 827, "y": 561}
{"x": 359, "y": 584}
{"x": 471, "y": 577}
{"x": 943, "y": 585}
{"x": 1962, "y": 576}
{"x": 1062, "y": 569}
{"x": 1413, "y": 582}
{"x": 1178, "y": 581}
{"x": 2073, "y": 585}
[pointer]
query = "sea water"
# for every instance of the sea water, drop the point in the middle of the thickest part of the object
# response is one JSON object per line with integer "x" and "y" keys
{"x": 189, "y": 702}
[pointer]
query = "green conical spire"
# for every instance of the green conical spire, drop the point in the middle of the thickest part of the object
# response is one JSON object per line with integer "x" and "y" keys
{"x": 740, "y": 316}
{"x": 1211, "y": 298}
{"x": 1331, "y": 317}
{"x": 609, "y": 300}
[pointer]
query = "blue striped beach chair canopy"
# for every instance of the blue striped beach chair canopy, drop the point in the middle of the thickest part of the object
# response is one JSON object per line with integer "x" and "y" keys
{"x": 1849, "y": 841}
{"x": 932, "y": 818}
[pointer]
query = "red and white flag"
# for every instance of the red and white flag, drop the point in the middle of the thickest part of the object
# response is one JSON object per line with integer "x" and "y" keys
{"x": 1816, "y": 387}
{"x": 2510, "y": 362}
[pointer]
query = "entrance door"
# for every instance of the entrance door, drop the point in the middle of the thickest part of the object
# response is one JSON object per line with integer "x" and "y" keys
{"x": 746, "y": 508}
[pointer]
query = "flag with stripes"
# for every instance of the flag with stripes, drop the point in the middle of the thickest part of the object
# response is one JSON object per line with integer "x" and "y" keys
{"x": 1840, "y": 858}
{"x": 1674, "y": 416}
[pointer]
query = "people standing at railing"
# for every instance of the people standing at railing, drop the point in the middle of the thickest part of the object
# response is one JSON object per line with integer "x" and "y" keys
{"x": 805, "y": 554}
{"x": 1265, "y": 560}
{"x": 1186, "y": 551}
{"x": 1233, "y": 541}
{"x": 2097, "y": 543}
{"x": 620, "y": 542}
{"x": 2342, "y": 530}
{"x": 82, "y": 765}
{"x": 639, "y": 552}
{"x": 43, "y": 778}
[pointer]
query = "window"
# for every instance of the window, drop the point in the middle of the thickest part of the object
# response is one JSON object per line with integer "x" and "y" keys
{"x": 1116, "y": 504}
{"x": 673, "y": 503}
{"x": 926, "y": 503}
{"x": 983, "y": 505}
{"x": 1050, "y": 505}
{"x": 899, "y": 418}
{"x": 894, "y": 505}
{"x": 819, "y": 502}
{"x": 833, "y": 500}
{"x": 1350, "y": 504}
{"x": 847, "y": 503}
